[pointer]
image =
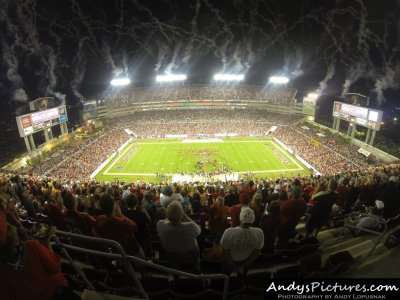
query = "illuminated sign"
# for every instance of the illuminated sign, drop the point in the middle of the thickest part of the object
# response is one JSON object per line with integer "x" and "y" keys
{"x": 26, "y": 121}
{"x": 43, "y": 116}
{"x": 359, "y": 115}
{"x": 38, "y": 127}
{"x": 373, "y": 116}
{"x": 63, "y": 118}
{"x": 356, "y": 111}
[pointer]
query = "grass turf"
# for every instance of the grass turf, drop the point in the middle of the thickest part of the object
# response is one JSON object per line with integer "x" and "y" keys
{"x": 142, "y": 159}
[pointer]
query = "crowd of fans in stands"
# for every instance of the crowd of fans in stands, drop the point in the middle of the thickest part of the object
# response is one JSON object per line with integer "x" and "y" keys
{"x": 260, "y": 216}
{"x": 321, "y": 155}
{"x": 244, "y": 217}
{"x": 200, "y": 92}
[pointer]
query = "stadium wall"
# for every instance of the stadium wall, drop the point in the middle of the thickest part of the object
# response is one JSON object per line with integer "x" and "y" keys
{"x": 381, "y": 155}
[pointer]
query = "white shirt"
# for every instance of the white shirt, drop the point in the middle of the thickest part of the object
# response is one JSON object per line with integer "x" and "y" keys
{"x": 176, "y": 196}
{"x": 241, "y": 242}
{"x": 178, "y": 238}
{"x": 164, "y": 200}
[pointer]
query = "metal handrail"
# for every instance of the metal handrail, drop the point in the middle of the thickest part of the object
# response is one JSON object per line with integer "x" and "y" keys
{"x": 126, "y": 259}
{"x": 380, "y": 220}
{"x": 121, "y": 256}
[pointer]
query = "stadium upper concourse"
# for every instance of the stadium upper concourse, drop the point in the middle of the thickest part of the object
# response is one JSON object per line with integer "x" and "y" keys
{"x": 109, "y": 234}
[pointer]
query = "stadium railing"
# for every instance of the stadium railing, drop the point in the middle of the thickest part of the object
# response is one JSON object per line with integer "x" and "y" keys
{"x": 65, "y": 242}
{"x": 380, "y": 232}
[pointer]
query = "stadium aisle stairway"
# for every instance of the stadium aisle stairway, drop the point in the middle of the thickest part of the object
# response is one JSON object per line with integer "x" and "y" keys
{"x": 379, "y": 264}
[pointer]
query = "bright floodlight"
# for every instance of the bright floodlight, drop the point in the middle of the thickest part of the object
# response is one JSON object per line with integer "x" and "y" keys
{"x": 120, "y": 81}
{"x": 170, "y": 77}
{"x": 278, "y": 79}
{"x": 312, "y": 95}
{"x": 228, "y": 77}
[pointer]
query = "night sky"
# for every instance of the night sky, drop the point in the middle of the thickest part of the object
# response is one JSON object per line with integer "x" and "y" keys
{"x": 72, "y": 49}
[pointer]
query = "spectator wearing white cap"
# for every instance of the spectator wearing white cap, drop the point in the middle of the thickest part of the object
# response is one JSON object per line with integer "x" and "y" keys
{"x": 242, "y": 245}
{"x": 371, "y": 221}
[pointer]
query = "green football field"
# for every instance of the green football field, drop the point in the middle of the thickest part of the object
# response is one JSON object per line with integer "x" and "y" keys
{"x": 155, "y": 159}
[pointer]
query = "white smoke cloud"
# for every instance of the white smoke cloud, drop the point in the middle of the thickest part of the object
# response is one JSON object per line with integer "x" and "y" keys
{"x": 60, "y": 97}
{"x": 390, "y": 79}
{"x": 20, "y": 95}
{"x": 328, "y": 76}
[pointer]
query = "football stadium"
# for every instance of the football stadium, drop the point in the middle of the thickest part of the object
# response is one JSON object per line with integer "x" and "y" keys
{"x": 179, "y": 186}
{"x": 223, "y": 149}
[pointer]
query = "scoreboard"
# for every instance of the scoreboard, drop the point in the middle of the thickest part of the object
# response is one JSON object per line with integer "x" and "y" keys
{"x": 37, "y": 121}
{"x": 367, "y": 117}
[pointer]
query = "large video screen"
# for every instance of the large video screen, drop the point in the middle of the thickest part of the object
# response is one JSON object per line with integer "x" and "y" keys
{"x": 43, "y": 116}
{"x": 30, "y": 123}
{"x": 355, "y": 111}
{"x": 363, "y": 116}
{"x": 373, "y": 116}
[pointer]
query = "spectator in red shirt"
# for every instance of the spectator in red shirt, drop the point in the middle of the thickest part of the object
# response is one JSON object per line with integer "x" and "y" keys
{"x": 235, "y": 210}
{"x": 218, "y": 218}
{"x": 293, "y": 209}
{"x": 291, "y": 212}
{"x": 343, "y": 193}
{"x": 54, "y": 209}
{"x": 258, "y": 208}
{"x": 119, "y": 229}
{"x": 75, "y": 221}
{"x": 3, "y": 227}
{"x": 139, "y": 216}
{"x": 249, "y": 188}
{"x": 30, "y": 269}
{"x": 283, "y": 198}
{"x": 270, "y": 224}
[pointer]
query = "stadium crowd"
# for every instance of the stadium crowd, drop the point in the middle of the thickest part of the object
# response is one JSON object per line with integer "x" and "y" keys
{"x": 260, "y": 215}
{"x": 239, "y": 219}
{"x": 320, "y": 155}
{"x": 200, "y": 92}
{"x": 244, "y": 122}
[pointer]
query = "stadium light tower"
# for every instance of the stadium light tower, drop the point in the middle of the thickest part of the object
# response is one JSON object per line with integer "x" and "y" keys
{"x": 278, "y": 80}
{"x": 228, "y": 77}
{"x": 121, "y": 80}
{"x": 171, "y": 77}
